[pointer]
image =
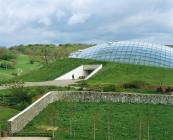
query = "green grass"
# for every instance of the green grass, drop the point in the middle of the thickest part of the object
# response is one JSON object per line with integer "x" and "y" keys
{"x": 5, "y": 114}
{"x": 123, "y": 121}
{"x": 53, "y": 70}
{"x": 114, "y": 73}
{"x": 22, "y": 65}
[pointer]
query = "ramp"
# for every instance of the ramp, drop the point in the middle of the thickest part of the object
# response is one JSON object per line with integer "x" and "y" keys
{"x": 82, "y": 72}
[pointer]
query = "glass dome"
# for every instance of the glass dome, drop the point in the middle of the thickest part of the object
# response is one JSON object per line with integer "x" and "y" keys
{"x": 129, "y": 52}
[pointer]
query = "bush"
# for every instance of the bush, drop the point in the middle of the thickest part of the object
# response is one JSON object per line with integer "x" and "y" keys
{"x": 7, "y": 64}
{"x": 20, "y": 94}
{"x": 14, "y": 73}
{"x": 164, "y": 90}
{"x": 135, "y": 84}
{"x": 119, "y": 88}
{"x": 109, "y": 87}
{"x": 21, "y": 105}
{"x": 6, "y": 54}
{"x": 95, "y": 88}
{"x": 83, "y": 83}
{"x": 103, "y": 87}
{"x": 32, "y": 61}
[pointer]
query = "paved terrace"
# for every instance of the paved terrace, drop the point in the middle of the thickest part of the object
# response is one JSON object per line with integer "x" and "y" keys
{"x": 58, "y": 83}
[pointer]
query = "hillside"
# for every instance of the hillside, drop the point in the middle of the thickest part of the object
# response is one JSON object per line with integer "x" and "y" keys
{"x": 21, "y": 59}
{"x": 22, "y": 66}
{"x": 123, "y": 73}
{"x": 53, "y": 70}
{"x": 114, "y": 73}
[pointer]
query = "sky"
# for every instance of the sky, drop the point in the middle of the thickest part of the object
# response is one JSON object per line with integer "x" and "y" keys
{"x": 85, "y": 21}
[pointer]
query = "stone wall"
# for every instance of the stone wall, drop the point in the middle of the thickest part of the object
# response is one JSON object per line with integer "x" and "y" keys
{"x": 19, "y": 121}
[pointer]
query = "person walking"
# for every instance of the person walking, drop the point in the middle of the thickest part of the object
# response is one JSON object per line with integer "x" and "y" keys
{"x": 72, "y": 76}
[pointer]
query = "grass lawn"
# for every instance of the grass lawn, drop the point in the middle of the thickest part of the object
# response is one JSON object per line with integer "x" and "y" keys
{"x": 53, "y": 70}
{"x": 5, "y": 114}
{"x": 75, "y": 121}
{"x": 116, "y": 73}
{"x": 112, "y": 72}
{"x": 22, "y": 65}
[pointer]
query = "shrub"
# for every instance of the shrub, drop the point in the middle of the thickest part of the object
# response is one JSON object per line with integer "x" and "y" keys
{"x": 14, "y": 73}
{"x": 95, "y": 88}
{"x": 119, "y": 88}
{"x": 6, "y": 54}
{"x": 7, "y": 64}
{"x": 83, "y": 83}
{"x": 32, "y": 61}
{"x": 20, "y": 94}
{"x": 103, "y": 87}
{"x": 135, "y": 84}
{"x": 109, "y": 87}
{"x": 164, "y": 90}
{"x": 21, "y": 105}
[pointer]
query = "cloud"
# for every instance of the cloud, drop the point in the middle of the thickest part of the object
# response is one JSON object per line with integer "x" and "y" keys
{"x": 78, "y": 18}
{"x": 61, "y": 21}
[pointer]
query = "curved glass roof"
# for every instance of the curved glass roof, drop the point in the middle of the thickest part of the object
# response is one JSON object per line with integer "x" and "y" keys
{"x": 129, "y": 52}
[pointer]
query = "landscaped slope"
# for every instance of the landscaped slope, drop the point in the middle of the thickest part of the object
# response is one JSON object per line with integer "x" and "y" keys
{"x": 114, "y": 73}
{"x": 53, "y": 70}
{"x": 22, "y": 66}
{"x": 76, "y": 121}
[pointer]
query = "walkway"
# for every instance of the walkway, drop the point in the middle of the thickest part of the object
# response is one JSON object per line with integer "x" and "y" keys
{"x": 61, "y": 83}
{"x": 25, "y": 138}
{"x": 58, "y": 83}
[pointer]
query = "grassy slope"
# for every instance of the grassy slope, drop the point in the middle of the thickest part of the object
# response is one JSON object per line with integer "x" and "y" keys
{"x": 22, "y": 63}
{"x": 123, "y": 73}
{"x": 53, "y": 70}
{"x": 111, "y": 73}
{"x": 124, "y": 120}
{"x": 5, "y": 114}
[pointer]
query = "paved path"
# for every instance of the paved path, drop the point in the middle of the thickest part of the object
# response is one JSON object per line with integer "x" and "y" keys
{"x": 25, "y": 138}
{"x": 58, "y": 83}
{"x": 61, "y": 83}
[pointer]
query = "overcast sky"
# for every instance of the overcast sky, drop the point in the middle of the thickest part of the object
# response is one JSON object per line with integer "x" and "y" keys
{"x": 62, "y": 21}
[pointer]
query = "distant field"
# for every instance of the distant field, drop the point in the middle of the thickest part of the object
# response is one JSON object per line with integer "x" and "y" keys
{"x": 22, "y": 65}
{"x": 114, "y": 73}
{"x": 5, "y": 114}
{"x": 75, "y": 121}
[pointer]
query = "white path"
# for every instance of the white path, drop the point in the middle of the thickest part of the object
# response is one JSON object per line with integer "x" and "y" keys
{"x": 61, "y": 83}
{"x": 58, "y": 83}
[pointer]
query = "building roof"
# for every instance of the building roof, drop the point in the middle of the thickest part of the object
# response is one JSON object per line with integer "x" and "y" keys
{"x": 129, "y": 52}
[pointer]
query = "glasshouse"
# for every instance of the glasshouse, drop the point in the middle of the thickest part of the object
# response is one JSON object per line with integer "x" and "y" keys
{"x": 142, "y": 53}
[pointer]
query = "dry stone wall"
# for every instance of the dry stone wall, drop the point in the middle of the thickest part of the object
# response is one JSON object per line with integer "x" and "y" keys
{"x": 18, "y": 122}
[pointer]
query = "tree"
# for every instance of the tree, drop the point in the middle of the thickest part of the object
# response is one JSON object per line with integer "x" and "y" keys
{"x": 72, "y": 107}
{"x": 94, "y": 129}
{"x": 109, "y": 122}
{"x": 45, "y": 55}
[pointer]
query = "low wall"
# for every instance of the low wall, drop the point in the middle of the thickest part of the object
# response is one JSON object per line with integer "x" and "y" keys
{"x": 19, "y": 121}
